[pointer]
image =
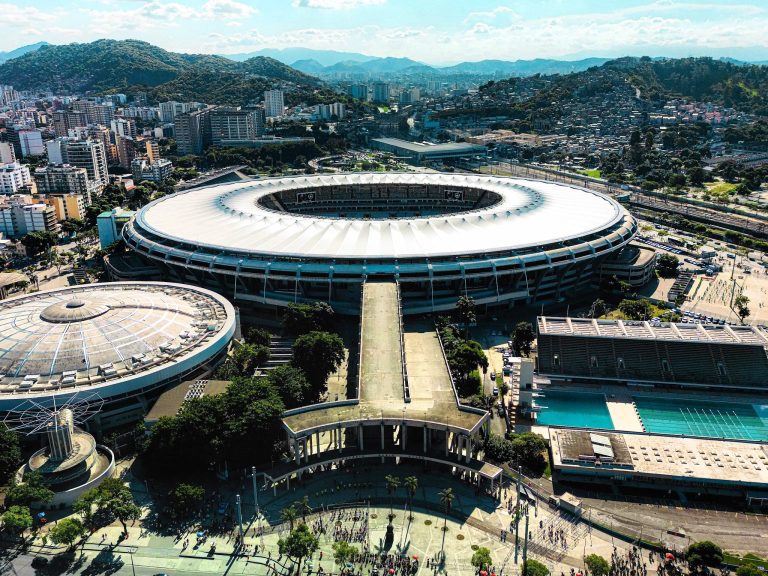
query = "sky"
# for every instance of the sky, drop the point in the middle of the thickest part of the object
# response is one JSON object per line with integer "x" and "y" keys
{"x": 437, "y": 32}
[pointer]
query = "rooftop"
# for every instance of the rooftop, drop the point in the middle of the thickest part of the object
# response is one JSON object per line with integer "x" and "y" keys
{"x": 170, "y": 401}
{"x": 86, "y": 336}
{"x": 643, "y": 330}
{"x": 422, "y": 148}
{"x": 659, "y": 455}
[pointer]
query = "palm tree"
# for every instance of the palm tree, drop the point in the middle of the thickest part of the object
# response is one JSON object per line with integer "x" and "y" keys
{"x": 446, "y": 499}
{"x": 302, "y": 507}
{"x": 410, "y": 483}
{"x": 289, "y": 514}
{"x": 393, "y": 483}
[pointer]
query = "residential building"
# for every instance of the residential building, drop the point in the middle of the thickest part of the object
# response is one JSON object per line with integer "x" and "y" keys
{"x": 67, "y": 206}
{"x": 14, "y": 177}
{"x": 7, "y": 154}
{"x": 274, "y": 103}
{"x": 146, "y": 113}
{"x": 169, "y": 110}
{"x": 111, "y": 223}
{"x": 31, "y": 142}
{"x": 193, "y": 131}
{"x": 18, "y": 218}
{"x": 381, "y": 92}
{"x": 123, "y": 127}
{"x": 88, "y": 154}
{"x": 153, "y": 151}
{"x": 126, "y": 150}
{"x": 359, "y": 91}
{"x": 233, "y": 126}
{"x": 156, "y": 171}
{"x": 65, "y": 179}
{"x": 64, "y": 120}
{"x": 329, "y": 111}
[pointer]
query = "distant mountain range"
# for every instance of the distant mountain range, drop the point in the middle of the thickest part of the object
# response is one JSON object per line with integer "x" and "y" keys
{"x": 21, "y": 51}
{"x": 131, "y": 65}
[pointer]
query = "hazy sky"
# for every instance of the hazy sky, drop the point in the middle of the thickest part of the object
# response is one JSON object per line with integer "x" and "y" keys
{"x": 432, "y": 31}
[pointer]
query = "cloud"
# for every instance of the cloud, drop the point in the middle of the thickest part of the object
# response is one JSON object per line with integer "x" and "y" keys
{"x": 15, "y": 14}
{"x": 336, "y": 4}
{"x": 228, "y": 9}
{"x": 491, "y": 14}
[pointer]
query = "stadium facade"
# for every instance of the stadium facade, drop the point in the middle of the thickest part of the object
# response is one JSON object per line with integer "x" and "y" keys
{"x": 120, "y": 342}
{"x": 275, "y": 241}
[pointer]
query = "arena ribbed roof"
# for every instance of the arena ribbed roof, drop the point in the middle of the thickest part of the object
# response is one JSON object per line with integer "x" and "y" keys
{"x": 529, "y": 213}
{"x": 66, "y": 339}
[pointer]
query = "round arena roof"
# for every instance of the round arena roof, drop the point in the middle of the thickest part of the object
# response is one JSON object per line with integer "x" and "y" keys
{"x": 108, "y": 338}
{"x": 509, "y": 214}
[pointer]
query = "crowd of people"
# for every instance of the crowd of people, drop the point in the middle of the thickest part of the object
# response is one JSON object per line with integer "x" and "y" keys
{"x": 336, "y": 523}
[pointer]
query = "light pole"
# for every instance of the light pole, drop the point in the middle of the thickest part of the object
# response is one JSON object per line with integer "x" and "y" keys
{"x": 238, "y": 505}
{"x": 517, "y": 514}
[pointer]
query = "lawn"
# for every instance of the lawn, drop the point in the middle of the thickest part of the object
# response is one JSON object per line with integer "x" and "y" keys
{"x": 720, "y": 188}
{"x": 592, "y": 173}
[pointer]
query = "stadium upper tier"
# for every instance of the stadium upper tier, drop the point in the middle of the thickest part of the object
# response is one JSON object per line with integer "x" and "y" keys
{"x": 115, "y": 340}
{"x": 313, "y": 237}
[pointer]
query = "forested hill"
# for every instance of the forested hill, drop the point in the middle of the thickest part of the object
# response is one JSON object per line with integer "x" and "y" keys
{"x": 122, "y": 65}
{"x": 744, "y": 87}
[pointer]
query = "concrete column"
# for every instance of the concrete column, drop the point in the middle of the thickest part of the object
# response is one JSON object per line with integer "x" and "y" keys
{"x": 360, "y": 437}
{"x": 296, "y": 453}
{"x": 382, "y": 442}
{"x": 459, "y": 446}
{"x": 317, "y": 442}
{"x": 403, "y": 435}
{"x": 425, "y": 439}
{"x": 306, "y": 450}
{"x": 339, "y": 432}
{"x": 447, "y": 438}
{"x": 469, "y": 449}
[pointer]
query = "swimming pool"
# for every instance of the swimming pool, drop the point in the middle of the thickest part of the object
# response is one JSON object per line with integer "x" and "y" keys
{"x": 702, "y": 418}
{"x": 580, "y": 409}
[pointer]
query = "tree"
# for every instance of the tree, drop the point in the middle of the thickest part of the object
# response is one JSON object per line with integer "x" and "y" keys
{"x": 67, "y": 531}
{"x": 704, "y": 553}
{"x": 247, "y": 357}
{"x": 598, "y": 308}
{"x": 303, "y": 318}
{"x": 303, "y": 508}
{"x": 749, "y": 569}
{"x": 292, "y": 384}
{"x": 498, "y": 449}
{"x": 528, "y": 450}
{"x": 523, "y": 337}
{"x": 597, "y": 565}
{"x": 666, "y": 265}
{"x": 84, "y": 506}
{"x": 464, "y": 358}
{"x": 40, "y": 241}
{"x": 10, "y": 454}
{"x": 741, "y": 303}
{"x": 343, "y": 552}
{"x": 184, "y": 498}
{"x": 289, "y": 514}
{"x": 465, "y": 308}
{"x": 481, "y": 558}
{"x": 636, "y": 309}
{"x": 32, "y": 490}
{"x": 258, "y": 336}
{"x": 17, "y": 519}
{"x": 534, "y": 568}
{"x": 393, "y": 483}
{"x": 318, "y": 354}
{"x": 116, "y": 499}
{"x": 676, "y": 181}
{"x": 446, "y": 496}
{"x": 299, "y": 544}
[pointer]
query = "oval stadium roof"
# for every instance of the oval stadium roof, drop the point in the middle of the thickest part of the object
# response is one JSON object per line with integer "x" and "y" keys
{"x": 229, "y": 218}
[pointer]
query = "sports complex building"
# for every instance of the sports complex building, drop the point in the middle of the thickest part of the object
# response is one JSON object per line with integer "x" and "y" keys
{"x": 271, "y": 242}
{"x": 121, "y": 342}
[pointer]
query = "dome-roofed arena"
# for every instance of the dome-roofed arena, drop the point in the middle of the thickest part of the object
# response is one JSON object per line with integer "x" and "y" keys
{"x": 121, "y": 341}
{"x": 304, "y": 238}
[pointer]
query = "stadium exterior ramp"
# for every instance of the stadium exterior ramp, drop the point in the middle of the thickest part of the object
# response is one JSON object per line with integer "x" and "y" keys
{"x": 407, "y": 407}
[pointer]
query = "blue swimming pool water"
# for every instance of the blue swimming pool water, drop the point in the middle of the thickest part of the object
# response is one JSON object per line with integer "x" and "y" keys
{"x": 581, "y": 409}
{"x": 702, "y": 418}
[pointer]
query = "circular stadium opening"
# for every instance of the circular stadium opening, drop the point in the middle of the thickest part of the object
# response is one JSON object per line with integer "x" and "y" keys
{"x": 379, "y": 201}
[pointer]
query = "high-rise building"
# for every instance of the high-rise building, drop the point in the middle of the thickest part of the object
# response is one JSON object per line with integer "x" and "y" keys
{"x": 64, "y": 120}
{"x": 329, "y": 111}
{"x": 19, "y": 217}
{"x": 193, "y": 131}
{"x": 67, "y": 206}
{"x": 169, "y": 110}
{"x": 64, "y": 179}
{"x": 123, "y": 127}
{"x": 7, "y": 95}
{"x": 274, "y": 103}
{"x": 13, "y": 177}
{"x": 126, "y": 150}
{"x": 103, "y": 114}
{"x": 153, "y": 151}
{"x": 88, "y": 154}
{"x": 157, "y": 171}
{"x": 31, "y": 142}
{"x": 7, "y": 154}
{"x": 381, "y": 92}
{"x": 233, "y": 126}
{"x": 358, "y": 91}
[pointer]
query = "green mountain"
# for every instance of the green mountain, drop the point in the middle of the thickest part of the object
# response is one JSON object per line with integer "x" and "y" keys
{"x": 125, "y": 65}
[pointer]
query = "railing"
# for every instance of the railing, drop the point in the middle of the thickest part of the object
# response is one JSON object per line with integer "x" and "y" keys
{"x": 404, "y": 368}
{"x": 462, "y": 407}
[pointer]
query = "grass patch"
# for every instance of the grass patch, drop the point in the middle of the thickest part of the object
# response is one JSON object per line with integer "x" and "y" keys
{"x": 592, "y": 173}
{"x": 737, "y": 560}
{"x": 721, "y": 188}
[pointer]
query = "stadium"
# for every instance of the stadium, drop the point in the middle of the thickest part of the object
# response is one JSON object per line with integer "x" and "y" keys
{"x": 120, "y": 342}
{"x": 271, "y": 242}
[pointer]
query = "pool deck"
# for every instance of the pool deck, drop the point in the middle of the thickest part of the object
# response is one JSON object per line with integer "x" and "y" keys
{"x": 623, "y": 413}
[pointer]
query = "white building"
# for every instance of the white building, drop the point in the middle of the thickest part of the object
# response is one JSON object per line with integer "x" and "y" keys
{"x": 31, "y": 143}
{"x": 274, "y": 103}
{"x": 13, "y": 177}
{"x": 7, "y": 155}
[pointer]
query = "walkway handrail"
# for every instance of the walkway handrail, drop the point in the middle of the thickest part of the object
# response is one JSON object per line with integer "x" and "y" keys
{"x": 462, "y": 407}
{"x": 404, "y": 368}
